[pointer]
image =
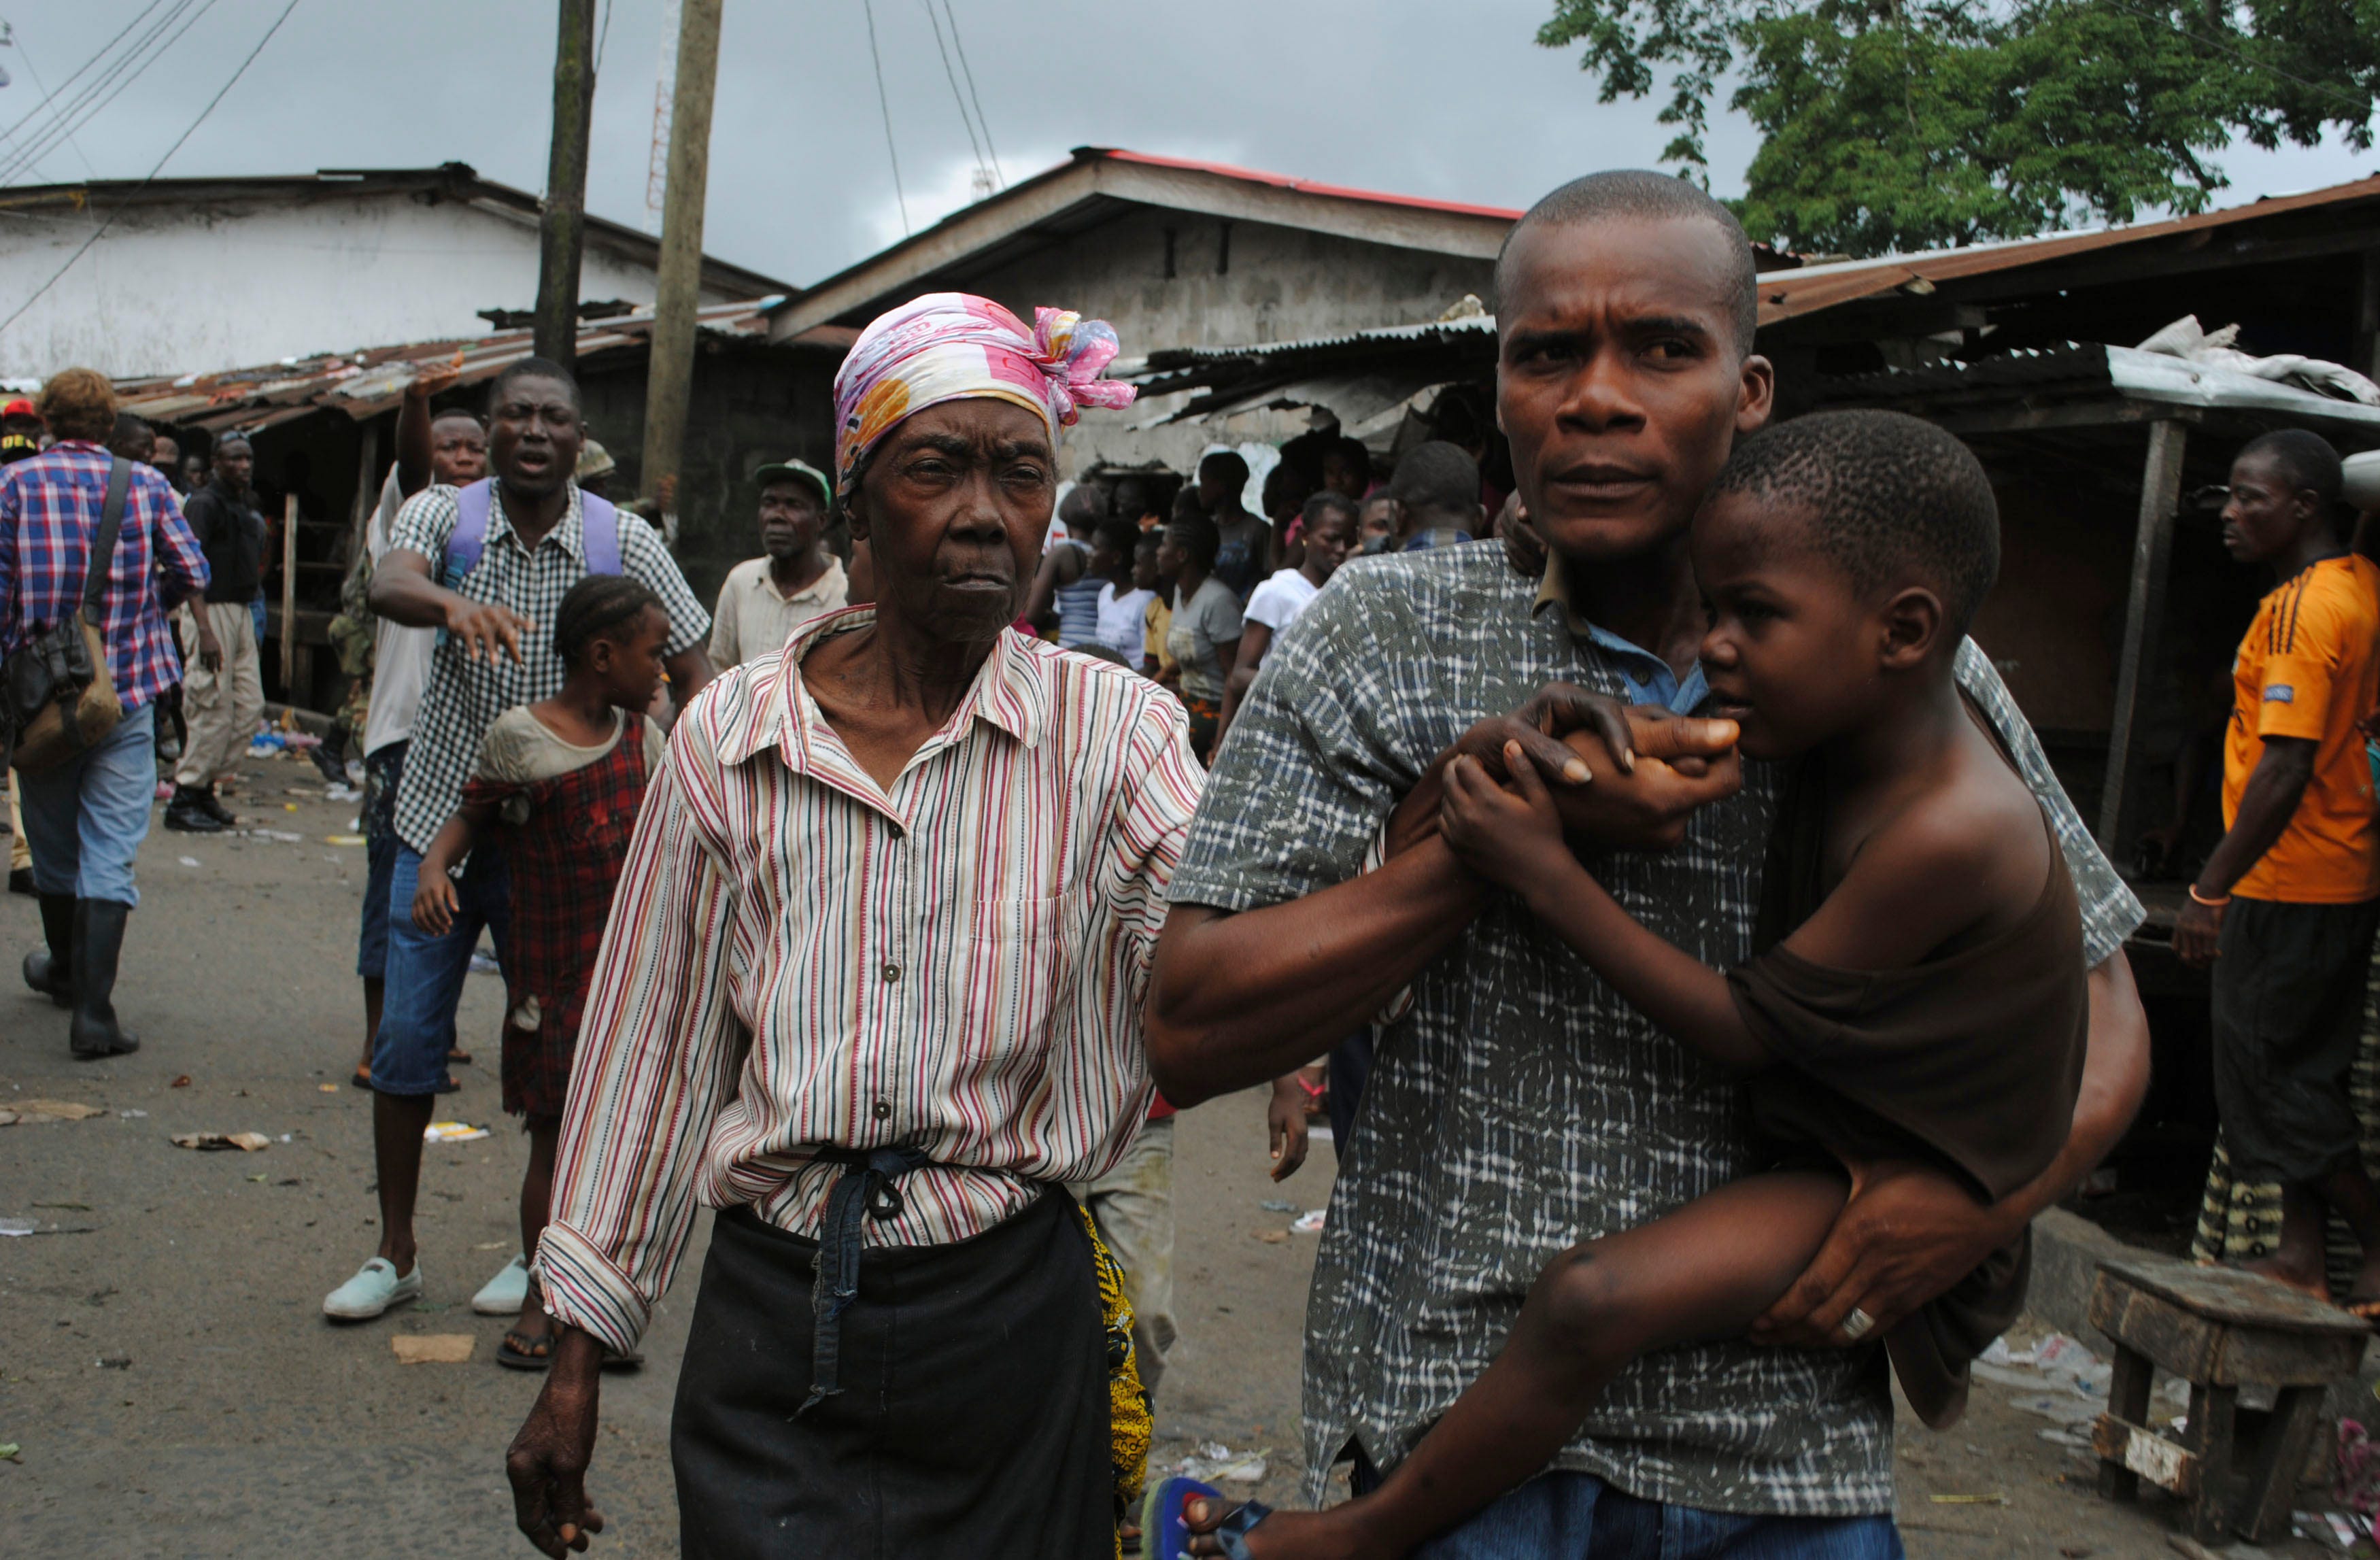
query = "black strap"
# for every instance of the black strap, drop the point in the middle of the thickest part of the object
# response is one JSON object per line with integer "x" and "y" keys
{"x": 866, "y": 1188}
{"x": 102, "y": 545}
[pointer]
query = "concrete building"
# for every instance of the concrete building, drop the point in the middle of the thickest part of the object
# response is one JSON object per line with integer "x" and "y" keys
{"x": 1175, "y": 254}
{"x": 192, "y": 274}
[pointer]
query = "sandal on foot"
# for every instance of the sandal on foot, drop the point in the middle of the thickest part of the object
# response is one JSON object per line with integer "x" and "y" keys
{"x": 524, "y": 1353}
{"x": 362, "y": 1076}
{"x": 1165, "y": 1532}
{"x": 458, "y": 1058}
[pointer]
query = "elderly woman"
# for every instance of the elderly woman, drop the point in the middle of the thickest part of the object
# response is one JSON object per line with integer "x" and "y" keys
{"x": 872, "y": 988}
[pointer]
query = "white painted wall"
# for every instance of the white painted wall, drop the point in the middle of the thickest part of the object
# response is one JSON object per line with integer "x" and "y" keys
{"x": 201, "y": 288}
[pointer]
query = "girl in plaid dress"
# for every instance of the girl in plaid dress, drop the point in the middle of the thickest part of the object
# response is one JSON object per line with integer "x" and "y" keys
{"x": 558, "y": 783}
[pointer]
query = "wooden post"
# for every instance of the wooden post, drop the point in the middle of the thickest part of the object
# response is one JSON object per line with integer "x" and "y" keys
{"x": 669, "y": 382}
{"x": 367, "y": 493}
{"x": 561, "y": 226}
{"x": 2151, "y": 552}
{"x": 2366, "y": 358}
{"x": 289, "y": 598}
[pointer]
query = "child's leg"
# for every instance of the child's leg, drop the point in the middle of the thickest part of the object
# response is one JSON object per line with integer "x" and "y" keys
{"x": 1706, "y": 1270}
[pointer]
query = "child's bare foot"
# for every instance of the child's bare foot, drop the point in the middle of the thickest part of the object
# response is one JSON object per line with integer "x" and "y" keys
{"x": 2364, "y": 1295}
{"x": 2305, "y": 1277}
{"x": 1285, "y": 1535}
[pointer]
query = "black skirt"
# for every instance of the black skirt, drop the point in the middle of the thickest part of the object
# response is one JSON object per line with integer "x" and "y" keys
{"x": 973, "y": 1420}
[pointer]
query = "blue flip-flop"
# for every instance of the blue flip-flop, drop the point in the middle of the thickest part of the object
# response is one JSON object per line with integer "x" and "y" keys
{"x": 1165, "y": 1533}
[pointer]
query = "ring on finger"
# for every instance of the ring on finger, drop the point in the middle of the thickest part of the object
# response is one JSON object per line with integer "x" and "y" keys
{"x": 1857, "y": 1326}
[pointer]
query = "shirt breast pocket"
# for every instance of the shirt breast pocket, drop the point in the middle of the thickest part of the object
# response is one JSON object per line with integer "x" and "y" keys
{"x": 1018, "y": 974}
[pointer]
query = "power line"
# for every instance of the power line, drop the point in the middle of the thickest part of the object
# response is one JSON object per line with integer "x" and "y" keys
{"x": 885, "y": 104}
{"x": 121, "y": 75}
{"x": 968, "y": 71}
{"x": 40, "y": 86}
{"x": 983, "y": 169}
{"x": 111, "y": 73}
{"x": 101, "y": 231}
{"x": 85, "y": 65}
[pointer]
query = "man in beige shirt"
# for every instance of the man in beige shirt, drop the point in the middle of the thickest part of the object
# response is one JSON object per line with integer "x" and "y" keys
{"x": 767, "y": 598}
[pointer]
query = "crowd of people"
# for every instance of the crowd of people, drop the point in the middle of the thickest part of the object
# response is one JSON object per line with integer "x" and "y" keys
{"x": 1706, "y": 976}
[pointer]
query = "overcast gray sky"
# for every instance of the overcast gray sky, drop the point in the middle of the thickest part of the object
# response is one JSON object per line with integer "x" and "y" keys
{"x": 1423, "y": 97}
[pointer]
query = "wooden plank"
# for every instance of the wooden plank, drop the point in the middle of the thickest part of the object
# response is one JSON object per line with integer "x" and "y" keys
{"x": 360, "y": 514}
{"x": 2176, "y": 1341}
{"x": 288, "y": 587}
{"x": 2128, "y": 1402}
{"x": 2264, "y": 1509}
{"x": 2152, "y": 555}
{"x": 2222, "y": 1294}
{"x": 2143, "y": 1453}
{"x": 2213, "y": 1414}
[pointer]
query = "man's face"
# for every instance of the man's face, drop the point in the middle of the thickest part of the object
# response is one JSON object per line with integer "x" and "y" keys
{"x": 458, "y": 451}
{"x": 1377, "y": 527}
{"x": 791, "y": 518}
{"x": 1327, "y": 543}
{"x": 1791, "y": 646}
{"x": 236, "y": 464}
{"x": 1619, "y": 381}
{"x": 1145, "y": 572}
{"x": 2265, "y": 515}
{"x": 1340, "y": 475}
{"x": 1214, "y": 487}
{"x": 534, "y": 435}
{"x": 165, "y": 453}
{"x": 955, "y": 504}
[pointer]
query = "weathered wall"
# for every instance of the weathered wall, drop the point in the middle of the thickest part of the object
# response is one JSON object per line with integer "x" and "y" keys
{"x": 200, "y": 289}
{"x": 751, "y": 406}
{"x": 1259, "y": 284}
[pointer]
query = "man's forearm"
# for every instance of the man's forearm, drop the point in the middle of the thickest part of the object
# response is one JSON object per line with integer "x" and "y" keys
{"x": 413, "y": 442}
{"x": 2115, "y": 1080}
{"x": 1237, "y": 1000}
{"x": 2266, "y": 804}
{"x": 408, "y": 597}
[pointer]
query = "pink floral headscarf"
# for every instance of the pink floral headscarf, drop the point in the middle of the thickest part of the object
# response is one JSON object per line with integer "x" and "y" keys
{"x": 949, "y": 347}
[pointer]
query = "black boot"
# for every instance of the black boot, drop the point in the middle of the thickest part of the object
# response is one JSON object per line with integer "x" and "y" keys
{"x": 192, "y": 811}
{"x": 98, "y": 942}
{"x": 50, "y": 970}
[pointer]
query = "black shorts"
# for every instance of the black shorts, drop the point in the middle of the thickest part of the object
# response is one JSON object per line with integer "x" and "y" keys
{"x": 2288, "y": 1014}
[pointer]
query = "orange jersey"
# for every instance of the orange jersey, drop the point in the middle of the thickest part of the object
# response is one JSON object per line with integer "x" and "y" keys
{"x": 2310, "y": 668}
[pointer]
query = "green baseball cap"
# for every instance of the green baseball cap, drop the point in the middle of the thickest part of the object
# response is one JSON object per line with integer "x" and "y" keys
{"x": 791, "y": 470}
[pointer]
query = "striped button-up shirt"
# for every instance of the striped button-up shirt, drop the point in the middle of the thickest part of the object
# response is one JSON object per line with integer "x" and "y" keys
{"x": 799, "y": 959}
{"x": 49, "y": 512}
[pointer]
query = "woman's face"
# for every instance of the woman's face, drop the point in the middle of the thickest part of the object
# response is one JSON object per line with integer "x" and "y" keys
{"x": 955, "y": 504}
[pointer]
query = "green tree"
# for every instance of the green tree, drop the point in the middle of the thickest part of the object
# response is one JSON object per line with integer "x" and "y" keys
{"x": 1916, "y": 124}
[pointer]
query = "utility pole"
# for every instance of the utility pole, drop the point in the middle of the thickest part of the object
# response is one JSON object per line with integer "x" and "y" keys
{"x": 562, "y": 228}
{"x": 670, "y": 382}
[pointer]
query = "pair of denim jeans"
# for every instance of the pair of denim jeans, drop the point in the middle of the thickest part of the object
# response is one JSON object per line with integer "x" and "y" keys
{"x": 85, "y": 818}
{"x": 425, "y": 971}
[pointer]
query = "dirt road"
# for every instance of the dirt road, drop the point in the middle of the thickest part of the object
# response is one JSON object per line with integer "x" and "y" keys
{"x": 166, "y": 1372}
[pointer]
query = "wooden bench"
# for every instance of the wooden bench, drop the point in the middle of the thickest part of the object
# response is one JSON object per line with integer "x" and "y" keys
{"x": 2219, "y": 1330}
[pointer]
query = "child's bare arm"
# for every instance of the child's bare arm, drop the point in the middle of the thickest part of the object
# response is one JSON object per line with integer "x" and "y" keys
{"x": 1513, "y": 837}
{"x": 434, "y": 900}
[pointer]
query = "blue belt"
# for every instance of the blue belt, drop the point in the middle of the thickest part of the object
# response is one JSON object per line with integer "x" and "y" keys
{"x": 866, "y": 1187}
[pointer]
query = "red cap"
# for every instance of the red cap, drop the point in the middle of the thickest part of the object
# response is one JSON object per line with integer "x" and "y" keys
{"x": 19, "y": 408}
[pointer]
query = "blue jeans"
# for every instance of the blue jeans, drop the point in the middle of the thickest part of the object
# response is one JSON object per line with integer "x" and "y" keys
{"x": 1578, "y": 1517}
{"x": 85, "y": 819}
{"x": 425, "y": 973}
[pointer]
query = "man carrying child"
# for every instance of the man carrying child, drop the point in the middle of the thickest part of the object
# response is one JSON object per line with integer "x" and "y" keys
{"x": 1517, "y": 1104}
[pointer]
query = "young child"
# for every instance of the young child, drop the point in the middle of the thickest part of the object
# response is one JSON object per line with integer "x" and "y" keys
{"x": 1917, "y": 990}
{"x": 560, "y": 781}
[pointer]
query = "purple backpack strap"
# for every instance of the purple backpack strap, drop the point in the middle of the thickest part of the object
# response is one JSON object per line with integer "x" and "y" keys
{"x": 470, "y": 535}
{"x": 600, "y": 534}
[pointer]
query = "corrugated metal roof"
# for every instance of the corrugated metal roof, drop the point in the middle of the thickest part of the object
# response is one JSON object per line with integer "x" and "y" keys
{"x": 2079, "y": 368}
{"x": 1786, "y": 294}
{"x": 367, "y": 382}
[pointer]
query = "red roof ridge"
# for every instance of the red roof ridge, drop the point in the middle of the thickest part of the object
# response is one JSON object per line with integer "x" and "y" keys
{"x": 1301, "y": 185}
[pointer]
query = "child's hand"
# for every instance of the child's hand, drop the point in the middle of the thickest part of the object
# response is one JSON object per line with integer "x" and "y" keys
{"x": 1285, "y": 1121}
{"x": 1507, "y": 835}
{"x": 434, "y": 902}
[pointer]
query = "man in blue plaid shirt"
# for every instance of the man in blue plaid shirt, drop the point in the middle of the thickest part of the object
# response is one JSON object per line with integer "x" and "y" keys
{"x": 1515, "y": 1104}
{"x": 85, "y": 819}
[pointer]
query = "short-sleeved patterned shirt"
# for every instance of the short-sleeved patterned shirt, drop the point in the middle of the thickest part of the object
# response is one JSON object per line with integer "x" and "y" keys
{"x": 463, "y": 697}
{"x": 1520, "y": 1105}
